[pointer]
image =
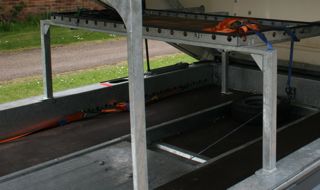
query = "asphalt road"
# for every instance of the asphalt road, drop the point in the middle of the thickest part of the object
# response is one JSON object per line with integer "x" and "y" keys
{"x": 72, "y": 57}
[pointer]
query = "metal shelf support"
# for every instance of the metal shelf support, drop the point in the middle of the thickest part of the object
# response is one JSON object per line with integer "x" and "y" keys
{"x": 269, "y": 110}
{"x": 131, "y": 13}
{"x": 46, "y": 60}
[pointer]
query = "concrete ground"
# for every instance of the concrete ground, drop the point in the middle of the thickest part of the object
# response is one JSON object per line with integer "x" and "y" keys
{"x": 72, "y": 57}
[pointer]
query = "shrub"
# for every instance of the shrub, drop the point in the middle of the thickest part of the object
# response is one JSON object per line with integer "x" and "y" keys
{"x": 6, "y": 22}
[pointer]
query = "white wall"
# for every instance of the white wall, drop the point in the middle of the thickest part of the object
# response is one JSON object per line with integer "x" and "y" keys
{"x": 307, "y": 10}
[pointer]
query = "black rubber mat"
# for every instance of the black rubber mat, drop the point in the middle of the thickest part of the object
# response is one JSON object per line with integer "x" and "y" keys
{"x": 54, "y": 143}
{"x": 236, "y": 167}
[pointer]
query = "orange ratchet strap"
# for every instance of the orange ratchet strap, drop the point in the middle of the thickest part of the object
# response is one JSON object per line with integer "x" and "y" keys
{"x": 233, "y": 25}
{"x": 59, "y": 121}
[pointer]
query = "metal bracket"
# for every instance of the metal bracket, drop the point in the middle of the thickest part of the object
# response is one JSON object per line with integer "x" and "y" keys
{"x": 258, "y": 59}
{"x": 46, "y": 28}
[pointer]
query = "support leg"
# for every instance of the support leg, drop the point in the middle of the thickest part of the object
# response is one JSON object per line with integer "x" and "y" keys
{"x": 137, "y": 96}
{"x": 224, "y": 72}
{"x": 269, "y": 111}
{"x": 46, "y": 60}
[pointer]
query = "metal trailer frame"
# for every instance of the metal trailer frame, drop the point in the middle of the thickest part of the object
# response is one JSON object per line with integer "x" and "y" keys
{"x": 131, "y": 13}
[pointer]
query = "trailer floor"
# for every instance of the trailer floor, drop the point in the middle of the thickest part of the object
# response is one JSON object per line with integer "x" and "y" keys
{"x": 233, "y": 168}
{"x": 54, "y": 143}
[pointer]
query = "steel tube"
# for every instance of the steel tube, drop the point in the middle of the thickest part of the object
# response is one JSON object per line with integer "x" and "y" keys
{"x": 137, "y": 96}
{"x": 46, "y": 60}
{"x": 269, "y": 110}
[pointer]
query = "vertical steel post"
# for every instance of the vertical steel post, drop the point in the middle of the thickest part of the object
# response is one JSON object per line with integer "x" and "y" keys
{"x": 137, "y": 96}
{"x": 46, "y": 60}
{"x": 269, "y": 110}
{"x": 224, "y": 71}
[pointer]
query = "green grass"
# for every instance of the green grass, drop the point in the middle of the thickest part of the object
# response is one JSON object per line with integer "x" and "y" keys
{"x": 25, "y": 35}
{"x": 28, "y": 87}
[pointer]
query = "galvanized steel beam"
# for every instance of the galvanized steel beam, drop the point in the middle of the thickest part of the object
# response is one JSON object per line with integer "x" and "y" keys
{"x": 46, "y": 60}
{"x": 131, "y": 13}
{"x": 269, "y": 110}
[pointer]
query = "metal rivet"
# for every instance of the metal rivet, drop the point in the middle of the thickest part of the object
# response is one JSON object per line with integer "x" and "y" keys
{"x": 171, "y": 32}
{"x": 229, "y": 38}
{"x": 147, "y": 29}
{"x": 214, "y": 37}
{"x": 115, "y": 25}
{"x": 159, "y": 30}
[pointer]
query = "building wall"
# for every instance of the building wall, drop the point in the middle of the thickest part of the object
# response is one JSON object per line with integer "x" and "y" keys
{"x": 34, "y": 7}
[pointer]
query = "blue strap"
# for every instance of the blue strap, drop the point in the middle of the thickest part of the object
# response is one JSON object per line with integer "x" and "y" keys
{"x": 63, "y": 122}
{"x": 261, "y": 36}
{"x": 291, "y": 91}
{"x": 264, "y": 39}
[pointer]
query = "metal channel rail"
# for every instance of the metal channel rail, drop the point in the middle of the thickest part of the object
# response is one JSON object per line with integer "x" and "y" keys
{"x": 182, "y": 28}
{"x": 275, "y": 30}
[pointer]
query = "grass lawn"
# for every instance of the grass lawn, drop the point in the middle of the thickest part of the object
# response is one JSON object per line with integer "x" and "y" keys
{"x": 28, "y": 87}
{"x": 24, "y": 35}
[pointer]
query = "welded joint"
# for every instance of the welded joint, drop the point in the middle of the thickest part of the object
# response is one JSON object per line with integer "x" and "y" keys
{"x": 258, "y": 59}
{"x": 45, "y": 27}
